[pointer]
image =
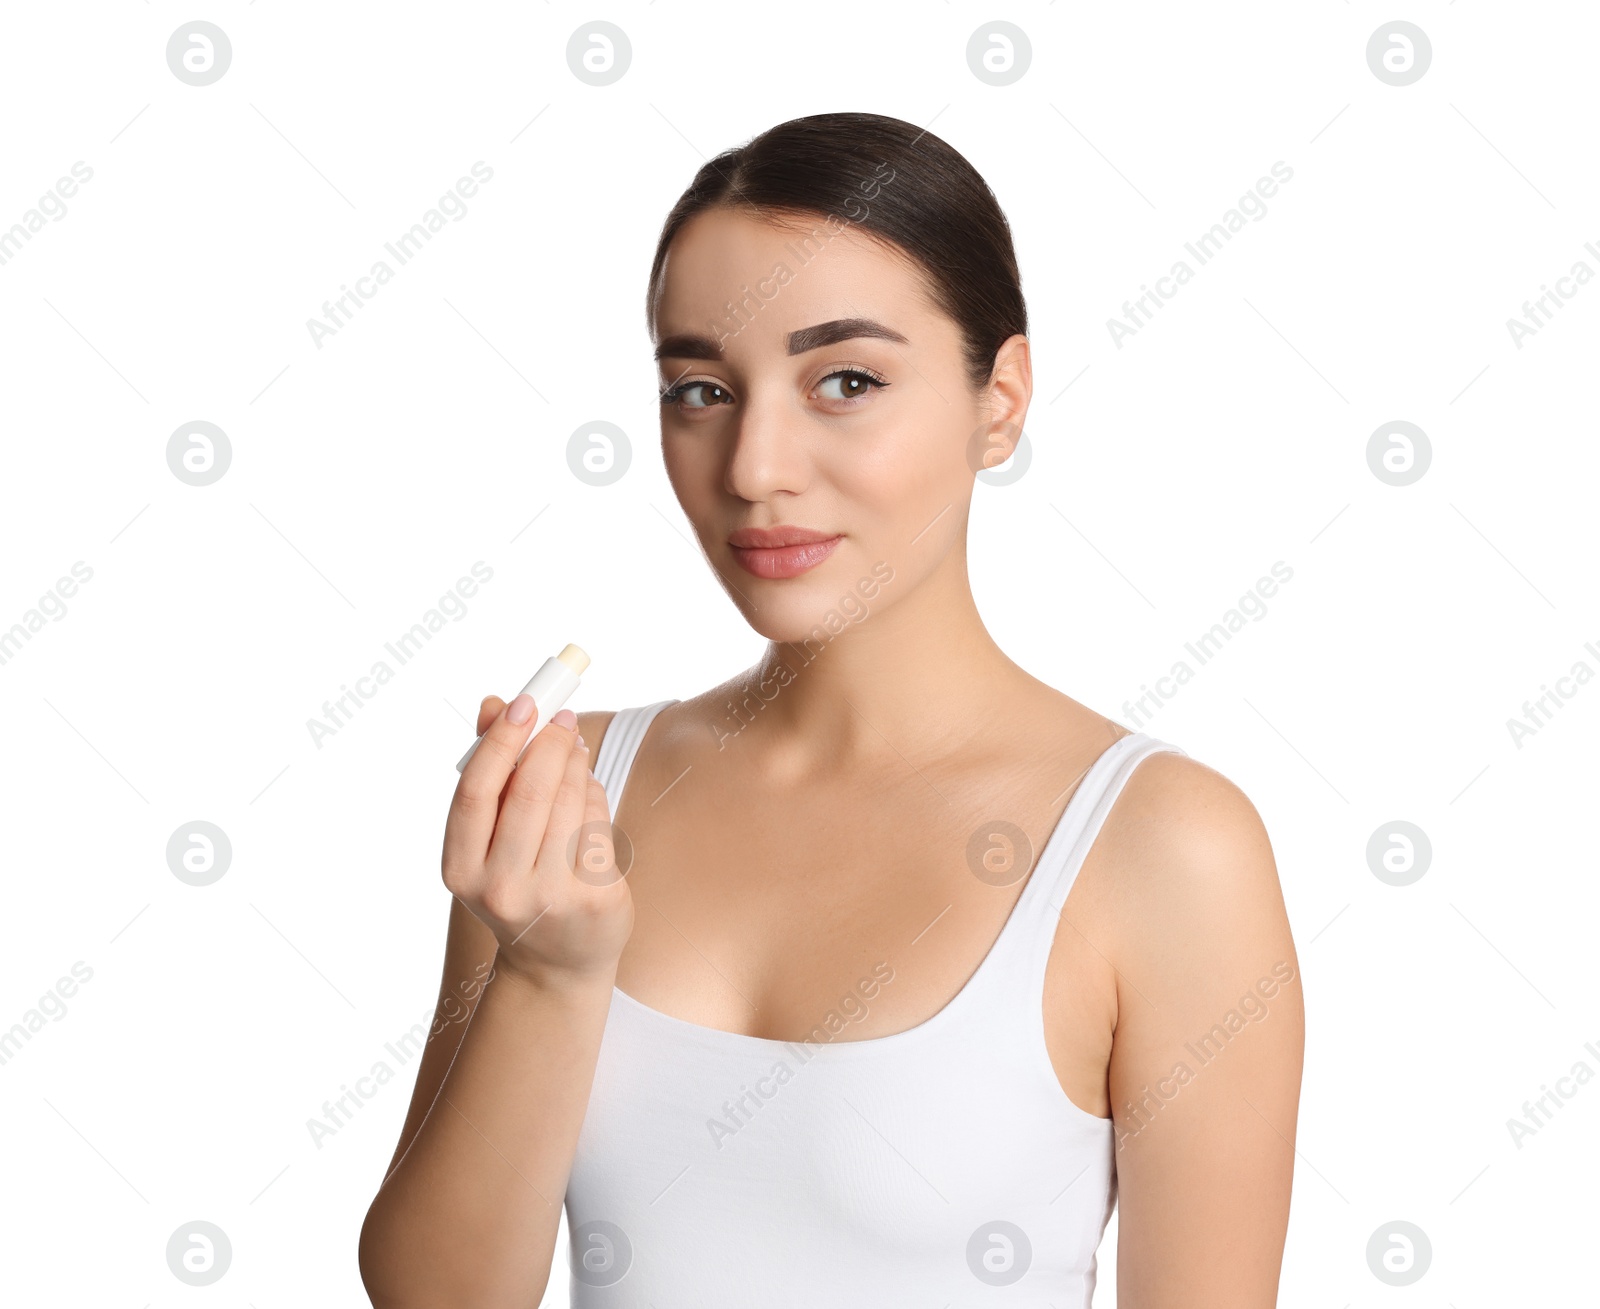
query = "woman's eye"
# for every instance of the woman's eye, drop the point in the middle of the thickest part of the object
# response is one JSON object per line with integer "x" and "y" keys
{"x": 716, "y": 395}
{"x": 851, "y": 383}
{"x": 846, "y": 385}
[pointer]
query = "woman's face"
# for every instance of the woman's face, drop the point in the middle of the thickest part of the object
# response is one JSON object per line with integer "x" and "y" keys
{"x": 810, "y": 383}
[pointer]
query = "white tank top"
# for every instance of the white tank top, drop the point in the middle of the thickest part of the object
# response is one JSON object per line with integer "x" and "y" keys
{"x": 938, "y": 1166}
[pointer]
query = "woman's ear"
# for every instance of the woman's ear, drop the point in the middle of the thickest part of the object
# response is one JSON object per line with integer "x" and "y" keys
{"x": 1004, "y": 405}
{"x": 1010, "y": 388}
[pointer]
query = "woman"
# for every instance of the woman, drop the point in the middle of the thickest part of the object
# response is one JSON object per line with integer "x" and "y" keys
{"x": 805, "y": 1031}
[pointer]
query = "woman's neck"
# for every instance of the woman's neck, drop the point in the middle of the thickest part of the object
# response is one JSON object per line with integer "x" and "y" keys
{"x": 914, "y": 678}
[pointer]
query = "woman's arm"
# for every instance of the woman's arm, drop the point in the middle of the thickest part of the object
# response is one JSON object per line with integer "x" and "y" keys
{"x": 469, "y": 1211}
{"x": 470, "y": 1216}
{"x": 1206, "y": 1058}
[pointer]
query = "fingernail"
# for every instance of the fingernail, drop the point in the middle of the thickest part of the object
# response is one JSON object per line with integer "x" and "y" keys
{"x": 520, "y": 709}
{"x": 582, "y": 744}
{"x": 565, "y": 717}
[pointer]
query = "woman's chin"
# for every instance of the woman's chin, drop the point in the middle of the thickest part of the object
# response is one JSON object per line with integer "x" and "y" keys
{"x": 794, "y": 612}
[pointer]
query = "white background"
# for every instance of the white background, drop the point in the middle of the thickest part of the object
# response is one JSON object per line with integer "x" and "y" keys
{"x": 368, "y": 475}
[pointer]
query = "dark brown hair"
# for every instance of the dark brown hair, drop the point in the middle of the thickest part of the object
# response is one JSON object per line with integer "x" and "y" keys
{"x": 896, "y": 181}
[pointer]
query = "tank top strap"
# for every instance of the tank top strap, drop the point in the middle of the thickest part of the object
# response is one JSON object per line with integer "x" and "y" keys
{"x": 1010, "y": 981}
{"x": 619, "y": 745}
{"x": 1101, "y": 787}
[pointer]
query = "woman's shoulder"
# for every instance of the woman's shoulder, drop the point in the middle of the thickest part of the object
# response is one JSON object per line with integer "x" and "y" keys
{"x": 1169, "y": 788}
{"x": 1176, "y": 805}
{"x": 1190, "y": 819}
{"x": 592, "y": 725}
{"x": 1187, "y": 858}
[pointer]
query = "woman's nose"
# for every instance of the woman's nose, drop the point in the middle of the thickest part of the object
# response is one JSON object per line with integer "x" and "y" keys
{"x": 769, "y": 451}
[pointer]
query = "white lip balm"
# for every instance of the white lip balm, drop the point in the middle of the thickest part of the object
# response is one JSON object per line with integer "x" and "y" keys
{"x": 556, "y": 679}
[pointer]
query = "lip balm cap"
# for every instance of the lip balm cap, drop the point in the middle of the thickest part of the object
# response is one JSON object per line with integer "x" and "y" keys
{"x": 574, "y": 658}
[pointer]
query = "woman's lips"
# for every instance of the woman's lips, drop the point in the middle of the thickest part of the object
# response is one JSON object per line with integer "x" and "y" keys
{"x": 784, "y": 560}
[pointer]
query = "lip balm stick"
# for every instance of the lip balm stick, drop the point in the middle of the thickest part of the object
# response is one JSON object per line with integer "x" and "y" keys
{"x": 556, "y": 679}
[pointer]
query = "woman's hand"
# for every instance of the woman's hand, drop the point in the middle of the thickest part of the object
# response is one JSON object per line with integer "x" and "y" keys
{"x": 528, "y": 849}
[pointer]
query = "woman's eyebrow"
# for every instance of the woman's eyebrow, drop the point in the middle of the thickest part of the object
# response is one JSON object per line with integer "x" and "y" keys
{"x": 840, "y": 329}
{"x": 689, "y": 345}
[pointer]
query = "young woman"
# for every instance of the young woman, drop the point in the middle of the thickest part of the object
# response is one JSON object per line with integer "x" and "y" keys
{"x": 899, "y": 967}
